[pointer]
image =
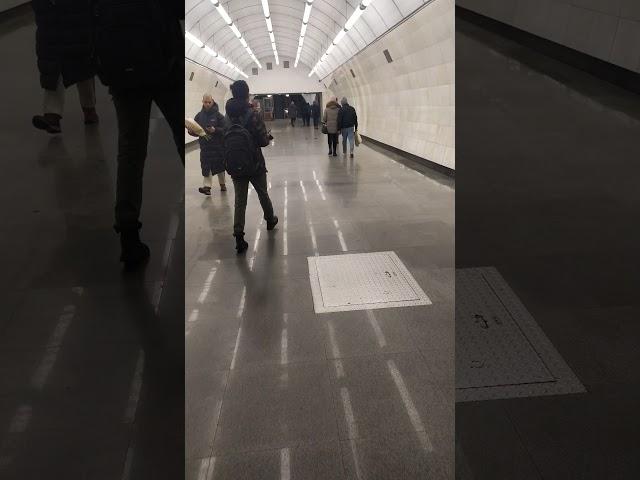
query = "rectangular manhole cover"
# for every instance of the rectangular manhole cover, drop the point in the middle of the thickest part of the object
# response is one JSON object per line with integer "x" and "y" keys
{"x": 362, "y": 281}
{"x": 501, "y": 352}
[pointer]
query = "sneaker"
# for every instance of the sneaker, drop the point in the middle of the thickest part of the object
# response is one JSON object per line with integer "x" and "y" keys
{"x": 90, "y": 116}
{"x": 329, "y": 152}
{"x": 205, "y": 190}
{"x": 223, "y": 187}
{"x": 271, "y": 225}
{"x": 50, "y": 122}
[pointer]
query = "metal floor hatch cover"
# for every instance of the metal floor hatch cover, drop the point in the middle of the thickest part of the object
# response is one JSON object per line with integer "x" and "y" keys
{"x": 501, "y": 352}
{"x": 362, "y": 281}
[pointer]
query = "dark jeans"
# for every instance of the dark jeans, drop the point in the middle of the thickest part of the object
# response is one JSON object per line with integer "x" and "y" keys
{"x": 241, "y": 187}
{"x": 315, "y": 122}
{"x": 133, "y": 109}
{"x": 332, "y": 139}
{"x": 293, "y": 121}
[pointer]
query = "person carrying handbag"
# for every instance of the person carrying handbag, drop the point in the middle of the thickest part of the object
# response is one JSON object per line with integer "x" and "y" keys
{"x": 330, "y": 124}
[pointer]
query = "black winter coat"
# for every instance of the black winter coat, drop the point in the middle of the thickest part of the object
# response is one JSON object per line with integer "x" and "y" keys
{"x": 63, "y": 41}
{"x": 315, "y": 110}
{"x": 236, "y": 110}
{"x": 212, "y": 150}
{"x": 347, "y": 117}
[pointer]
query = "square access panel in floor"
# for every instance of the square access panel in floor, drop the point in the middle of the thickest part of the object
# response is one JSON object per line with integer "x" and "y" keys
{"x": 362, "y": 281}
{"x": 501, "y": 352}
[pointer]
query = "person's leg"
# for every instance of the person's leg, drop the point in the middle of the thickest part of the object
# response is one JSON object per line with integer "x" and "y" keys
{"x": 241, "y": 188}
{"x": 221, "y": 181}
{"x": 132, "y": 111}
{"x": 351, "y": 137}
{"x": 329, "y": 142}
{"x": 344, "y": 141}
{"x": 52, "y": 107}
{"x": 87, "y": 96}
{"x": 170, "y": 100}
{"x": 335, "y": 143}
{"x": 259, "y": 182}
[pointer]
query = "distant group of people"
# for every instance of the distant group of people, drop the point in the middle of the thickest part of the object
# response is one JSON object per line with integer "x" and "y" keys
{"x": 140, "y": 62}
{"x": 340, "y": 118}
{"x": 307, "y": 112}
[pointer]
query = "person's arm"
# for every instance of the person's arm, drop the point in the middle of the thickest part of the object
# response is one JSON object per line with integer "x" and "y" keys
{"x": 339, "y": 119}
{"x": 221, "y": 124}
{"x": 260, "y": 131}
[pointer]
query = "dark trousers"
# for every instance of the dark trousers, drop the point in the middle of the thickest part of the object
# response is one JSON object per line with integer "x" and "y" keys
{"x": 315, "y": 122}
{"x": 332, "y": 139}
{"x": 293, "y": 121}
{"x": 241, "y": 187}
{"x": 133, "y": 110}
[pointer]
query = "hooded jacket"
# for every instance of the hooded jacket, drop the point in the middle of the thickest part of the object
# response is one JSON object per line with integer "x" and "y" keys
{"x": 236, "y": 110}
{"x": 330, "y": 117}
{"x": 347, "y": 117}
{"x": 212, "y": 150}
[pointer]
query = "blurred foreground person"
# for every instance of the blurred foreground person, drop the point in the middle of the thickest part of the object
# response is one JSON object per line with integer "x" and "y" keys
{"x": 211, "y": 146}
{"x": 64, "y": 51}
{"x": 139, "y": 46}
{"x": 243, "y": 142}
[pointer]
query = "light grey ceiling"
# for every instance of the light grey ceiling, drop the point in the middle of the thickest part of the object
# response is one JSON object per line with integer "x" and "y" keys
{"x": 327, "y": 19}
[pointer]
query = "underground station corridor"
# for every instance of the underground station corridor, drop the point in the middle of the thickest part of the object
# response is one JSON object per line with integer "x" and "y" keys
{"x": 452, "y": 296}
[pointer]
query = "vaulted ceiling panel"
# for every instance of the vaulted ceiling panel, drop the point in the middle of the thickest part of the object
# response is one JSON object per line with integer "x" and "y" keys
{"x": 327, "y": 18}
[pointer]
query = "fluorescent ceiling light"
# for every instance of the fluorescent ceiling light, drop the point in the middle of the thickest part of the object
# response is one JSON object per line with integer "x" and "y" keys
{"x": 192, "y": 38}
{"x": 265, "y": 8}
{"x": 273, "y": 39}
{"x": 235, "y": 30}
{"x": 269, "y": 26}
{"x": 303, "y": 30}
{"x": 243, "y": 42}
{"x": 222, "y": 59}
{"x": 301, "y": 41}
{"x": 365, "y": 3}
{"x": 307, "y": 13}
{"x": 354, "y": 18}
{"x": 210, "y": 51}
{"x": 223, "y": 13}
{"x": 331, "y": 47}
{"x": 339, "y": 36}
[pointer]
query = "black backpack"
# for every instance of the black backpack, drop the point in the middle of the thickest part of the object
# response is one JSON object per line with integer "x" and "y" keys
{"x": 133, "y": 42}
{"x": 240, "y": 158}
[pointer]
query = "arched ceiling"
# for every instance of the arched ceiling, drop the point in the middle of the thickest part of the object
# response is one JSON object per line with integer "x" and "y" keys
{"x": 327, "y": 18}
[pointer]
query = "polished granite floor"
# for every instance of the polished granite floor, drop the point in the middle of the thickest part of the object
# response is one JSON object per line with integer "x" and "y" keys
{"x": 547, "y": 192}
{"x": 275, "y": 391}
{"x": 91, "y": 359}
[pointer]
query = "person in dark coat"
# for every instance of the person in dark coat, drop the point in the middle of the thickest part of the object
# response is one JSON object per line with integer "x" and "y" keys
{"x": 347, "y": 125}
{"x": 305, "y": 114}
{"x": 134, "y": 86}
{"x": 236, "y": 109}
{"x": 211, "y": 148}
{"x": 64, "y": 52}
{"x": 293, "y": 113}
{"x": 315, "y": 113}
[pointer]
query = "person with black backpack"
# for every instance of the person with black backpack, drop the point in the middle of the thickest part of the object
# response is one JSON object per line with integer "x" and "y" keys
{"x": 243, "y": 141}
{"x": 138, "y": 48}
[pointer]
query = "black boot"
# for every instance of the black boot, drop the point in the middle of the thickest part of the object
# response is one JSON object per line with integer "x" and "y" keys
{"x": 241, "y": 245}
{"x": 134, "y": 252}
{"x": 49, "y": 122}
{"x": 272, "y": 223}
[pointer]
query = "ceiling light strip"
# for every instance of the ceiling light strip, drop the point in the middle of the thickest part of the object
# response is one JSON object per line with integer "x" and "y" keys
{"x": 227, "y": 19}
{"x": 353, "y": 19}
{"x": 303, "y": 30}
{"x": 197, "y": 42}
{"x": 267, "y": 19}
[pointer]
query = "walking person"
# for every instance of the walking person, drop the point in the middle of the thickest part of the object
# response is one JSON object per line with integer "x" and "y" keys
{"x": 138, "y": 73}
{"x": 64, "y": 51}
{"x": 241, "y": 120}
{"x": 293, "y": 113}
{"x": 315, "y": 113}
{"x": 330, "y": 119}
{"x": 348, "y": 125}
{"x": 305, "y": 114}
{"x": 211, "y": 146}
